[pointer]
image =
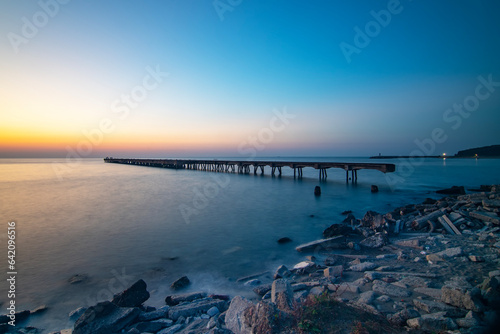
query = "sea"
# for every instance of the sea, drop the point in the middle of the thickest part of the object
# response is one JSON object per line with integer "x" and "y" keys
{"x": 109, "y": 225}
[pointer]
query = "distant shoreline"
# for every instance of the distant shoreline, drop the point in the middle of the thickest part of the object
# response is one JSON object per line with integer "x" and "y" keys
{"x": 430, "y": 156}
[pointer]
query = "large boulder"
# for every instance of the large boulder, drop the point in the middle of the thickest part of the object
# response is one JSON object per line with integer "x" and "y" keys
{"x": 337, "y": 229}
{"x": 377, "y": 240}
{"x": 105, "y": 318}
{"x": 133, "y": 296}
{"x": 235, "y": 316}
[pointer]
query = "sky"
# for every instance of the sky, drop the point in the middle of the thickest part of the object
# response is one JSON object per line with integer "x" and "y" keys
{"x": 240, "y": 78}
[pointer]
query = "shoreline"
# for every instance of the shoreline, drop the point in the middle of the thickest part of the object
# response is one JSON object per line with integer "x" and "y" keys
{"x": 436, "y": 277}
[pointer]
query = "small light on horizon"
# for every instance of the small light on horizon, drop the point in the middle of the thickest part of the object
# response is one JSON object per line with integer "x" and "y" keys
{"x": 444, "y": 154}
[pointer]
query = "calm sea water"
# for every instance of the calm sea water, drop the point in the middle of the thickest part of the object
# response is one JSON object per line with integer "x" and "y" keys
{"x": 118, "y": 223}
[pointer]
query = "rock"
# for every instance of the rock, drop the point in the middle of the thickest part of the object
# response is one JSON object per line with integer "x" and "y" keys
{"x": 373, "y": 220}
{"x": 363, "y": 266}
{"x": 434, "y": 293}
{"x": 373, "y": 275}
{"x": 194, "y": 308}
{"x": 432, "y": 322}
{"x": 317, "y": 191}
{"x": 455, "y": 190}
{"x": 153, "y": 315}
{"x": 171, "y": 330}
{"x": 374, "y": 188}
{"x": 78, "y": 278}
{"x": 332, "y": 272}
{"x": 105, "y": 318}
{"x": 413, "y": 243}
{"x": 429, "y": 201}
{"x": 252, "y": 282}
{"x": 75, "y": 314}
{"x": 262, "y": 289}
{"x": 323, "y": 245}
{"x": 367, "y": 297}
{"x": 317, "y": 290}
{"x": 389, "y": 289}
{"x": 462, "y": 296}
{"x": 134, "y": 296}
{"x": 434, "y": 258}
{"x": 432, "y": 306}
{"x": 353, "y": 245}
{"x": 152, "y": 326}
{"x": 235, "y": 315}
{"x": 469, "y": 321}
{"x": 475, "y": 258}
{"x": 282, "y": 295}
{"x": 305, "y": 267}
{"x": 336, "y": 230}
{"x": 213, "y": 311}
{"x": 486, "y": 216}
{"x": 180, "y": 283}
{"x": 375, "y": 241}
{"x": 267, "y": 318}
{"x": 402, "y": 316}
{"x": 185, "y": 297}
{"x": 282, "y": 272}
{"x": 349, "y": 219}
{"x": 494, "y": 273}
{"x": 451, "y": 252}
{"x": 284, "y": 240}
{"x": 384, "y": 299}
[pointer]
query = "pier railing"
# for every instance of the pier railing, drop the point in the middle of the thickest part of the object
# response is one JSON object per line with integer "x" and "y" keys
{"x": 244, "y": 167}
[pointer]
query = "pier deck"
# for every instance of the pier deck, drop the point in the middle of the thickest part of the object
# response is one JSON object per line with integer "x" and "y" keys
{"x": 244, "y": 167}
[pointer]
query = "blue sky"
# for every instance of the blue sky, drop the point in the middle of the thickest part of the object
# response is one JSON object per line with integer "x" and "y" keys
{"x": 229, "y": 69}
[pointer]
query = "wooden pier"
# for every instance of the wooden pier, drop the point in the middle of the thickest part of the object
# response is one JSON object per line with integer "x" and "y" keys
{"x": 244, "y": 167}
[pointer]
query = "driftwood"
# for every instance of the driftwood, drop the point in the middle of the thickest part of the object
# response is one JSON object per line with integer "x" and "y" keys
{"x": 421, "y": 222}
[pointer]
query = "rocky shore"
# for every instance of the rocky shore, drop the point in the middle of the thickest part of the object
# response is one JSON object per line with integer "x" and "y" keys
{"x": 422, "y": 268}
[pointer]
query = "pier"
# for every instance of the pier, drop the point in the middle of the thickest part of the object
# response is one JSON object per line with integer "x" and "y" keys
{"x": 244, "y": 167}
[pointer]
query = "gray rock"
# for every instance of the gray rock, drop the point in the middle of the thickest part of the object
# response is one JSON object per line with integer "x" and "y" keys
{"x": 105, "y": 318}
{"x": 261, "y": 290}
{"x": 372, "y": 275}
{"x": 460, "y": 296}
{"x": 363, "y": 266}
{"x": 282, "y": 294}
{"x": 431, "y": 292}
{"x": 197, "y": 306}
{"x": 367, "y": 297}
{"x": 235, "y": 315}
{"x": 384, "y": 299}
{"x": 400, "y": 318}
{"x": 469, "y": 321}
{"x": 133, "y": 296}
{"x": 252, "y": 282}
{"x": 282, "y": 272}
{"x": 171, "y": 330}
{"x": 433, "y": 322}
{"x": 451, "y": 252}
{"x": 213, "y": 311}
{"x": 185, "y": 297}
{"x": 75, "y": 314}
{"x": 432, "y": 306}
{"x": 389, "y": 289}
{"x": 332, "y": 272}
{"x": 494, "y": 273}
{"x": 375, "y": 241}
{"x": 149, "y": 316}
{"x": 317, "y": 290}
{"x": 180, "y": 283}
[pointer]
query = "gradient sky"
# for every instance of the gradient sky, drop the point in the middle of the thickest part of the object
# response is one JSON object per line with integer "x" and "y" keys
{"x": 231, "y": 66}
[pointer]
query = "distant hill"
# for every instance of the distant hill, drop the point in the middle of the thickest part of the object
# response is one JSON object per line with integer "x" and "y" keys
{"x": 481, "y": 152}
